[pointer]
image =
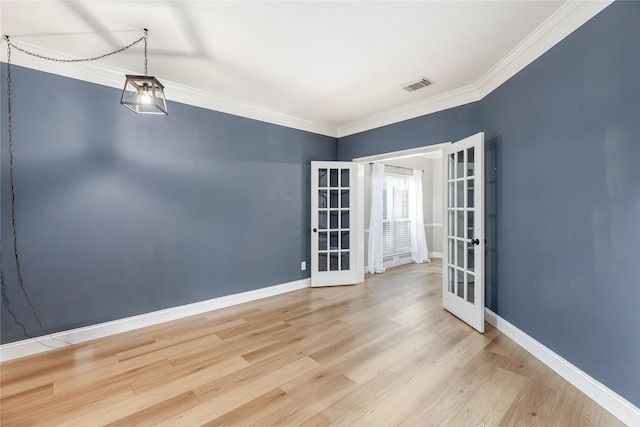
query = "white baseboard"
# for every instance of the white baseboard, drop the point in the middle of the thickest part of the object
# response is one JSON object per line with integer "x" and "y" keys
{"x": 621, "y": 408}
{"x": 389, "y": 263}
{"x": 74, "y": 336}
{"x": 395, "y": 261}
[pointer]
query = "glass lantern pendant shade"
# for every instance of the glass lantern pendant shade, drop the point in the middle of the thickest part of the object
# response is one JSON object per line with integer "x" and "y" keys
{"x": 144, "y": 95}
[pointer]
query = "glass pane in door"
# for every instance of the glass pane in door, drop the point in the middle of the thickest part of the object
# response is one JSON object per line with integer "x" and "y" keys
{"x": 344, "y": 240}
{"x": 333, "y": 215}
{"x": 451, "y": 164}
{"x": 460, "y": 164}
{"x": 451, "y": 251}
{"x": 344, "y": 260}
{"x": 333, "y": 240}
{"x": 333, "y": 178}
{"x": 322, "y": 177}
{"x": 452, "y": 194}
{"x": 452, "y": 223}
{"x": 322, "y": 261}
{"x": 452, "y": 276}
{"x": 334, "y": 199}
{"x": 460, "y": 194}
{"x": 322, "y": 220}
{"x": 322, "y": 240}
{"x": 344, "y": 220}
{"x": 344, "y": 199}
{"x": 322, "y": 199}
{"x": 344, "y": 178}
{"x": 333, "y": 261}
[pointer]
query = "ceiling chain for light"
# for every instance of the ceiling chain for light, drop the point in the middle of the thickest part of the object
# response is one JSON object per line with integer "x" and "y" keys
{"x": 94, "y": 58}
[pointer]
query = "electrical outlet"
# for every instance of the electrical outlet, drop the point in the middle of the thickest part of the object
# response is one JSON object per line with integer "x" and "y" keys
{"x": 303, "y": 265}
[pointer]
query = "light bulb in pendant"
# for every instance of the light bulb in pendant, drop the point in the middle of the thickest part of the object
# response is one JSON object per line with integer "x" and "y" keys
{"x": 145, "y": 98}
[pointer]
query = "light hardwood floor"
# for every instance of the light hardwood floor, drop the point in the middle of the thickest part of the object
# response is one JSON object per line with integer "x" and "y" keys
{"x": 377, "y": 354}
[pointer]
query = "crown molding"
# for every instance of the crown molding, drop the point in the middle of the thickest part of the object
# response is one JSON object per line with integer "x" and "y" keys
{"x": 91, "y": 72}
{"x": 570, "y": 16}
{"x": 212, "y": 101}
{"x": 107, "y": 75}
{"x": 453, "y": 98}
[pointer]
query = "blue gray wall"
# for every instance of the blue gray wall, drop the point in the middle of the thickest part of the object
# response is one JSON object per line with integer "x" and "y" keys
{"x": 563, "y": 194}
{"x": 567, "y": 130}
{"x": 121, "y": 214}
{"x": 444, "y": 126}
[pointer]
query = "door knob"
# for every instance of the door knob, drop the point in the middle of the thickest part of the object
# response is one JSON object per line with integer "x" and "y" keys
{"x": 315, "y": 230}
{"x": 475, "y": 241}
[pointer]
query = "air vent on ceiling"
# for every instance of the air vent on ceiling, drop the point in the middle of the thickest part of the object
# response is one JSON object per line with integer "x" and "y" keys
{"x": 416, "y": 84}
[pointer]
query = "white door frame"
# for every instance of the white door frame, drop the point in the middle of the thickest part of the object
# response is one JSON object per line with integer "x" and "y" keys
{"x": 393, "y": 155}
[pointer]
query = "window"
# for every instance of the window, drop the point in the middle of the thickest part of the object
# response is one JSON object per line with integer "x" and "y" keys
{"x": 396, "y": 227}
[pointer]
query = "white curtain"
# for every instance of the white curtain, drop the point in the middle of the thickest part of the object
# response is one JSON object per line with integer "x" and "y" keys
{"x": 419, "y": 250}
{"x": 376, "y": 248}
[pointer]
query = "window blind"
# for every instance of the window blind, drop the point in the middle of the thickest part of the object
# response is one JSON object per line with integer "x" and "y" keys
{"x": 396, "y": 227}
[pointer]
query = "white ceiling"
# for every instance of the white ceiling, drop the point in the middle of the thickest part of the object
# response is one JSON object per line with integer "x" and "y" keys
{"x": 329, "y": 64}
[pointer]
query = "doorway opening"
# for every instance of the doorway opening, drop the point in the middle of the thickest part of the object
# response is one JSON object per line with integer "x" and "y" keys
{"x": 399, "y": 164}
{"x": 461, "y": 212}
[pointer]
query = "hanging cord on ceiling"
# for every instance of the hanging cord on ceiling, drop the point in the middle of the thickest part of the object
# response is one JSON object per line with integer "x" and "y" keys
{"x": 5, "y": 299}
{"x": 94, "y": 58}
{"x": 145, "y": 51}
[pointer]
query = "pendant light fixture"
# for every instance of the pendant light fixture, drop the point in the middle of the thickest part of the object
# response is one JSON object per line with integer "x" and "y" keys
{"x": 144, "y": 94}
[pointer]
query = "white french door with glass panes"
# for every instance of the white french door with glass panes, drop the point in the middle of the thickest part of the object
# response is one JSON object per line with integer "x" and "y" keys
{"x": 463, "y": 259}
{"x": 336, "y": 255}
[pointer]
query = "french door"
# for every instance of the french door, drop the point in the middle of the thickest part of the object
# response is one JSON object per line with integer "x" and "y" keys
{"x": 463, "y": 257}
{"x": 336, "y": 257}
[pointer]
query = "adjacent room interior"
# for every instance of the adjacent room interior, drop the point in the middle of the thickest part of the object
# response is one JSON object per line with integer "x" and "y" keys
{"x": 400, "y": 166}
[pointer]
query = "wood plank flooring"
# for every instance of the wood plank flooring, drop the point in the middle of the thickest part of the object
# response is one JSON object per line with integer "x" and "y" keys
{"x": 381, "y": 353}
